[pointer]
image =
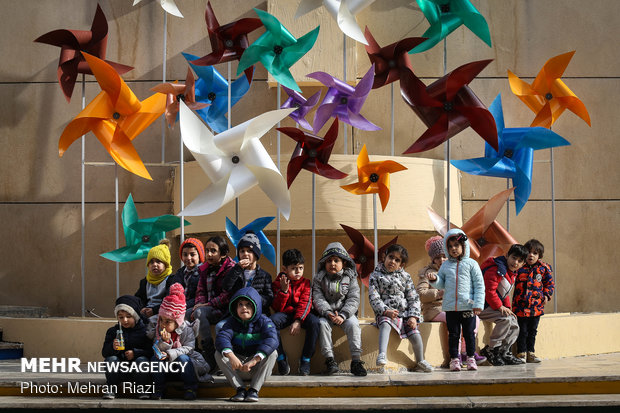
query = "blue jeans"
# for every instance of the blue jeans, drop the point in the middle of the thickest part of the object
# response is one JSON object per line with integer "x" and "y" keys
{"x": 188, "y": 376}
{"x": 116, "y": 378}
{"x": 310, "y": 324}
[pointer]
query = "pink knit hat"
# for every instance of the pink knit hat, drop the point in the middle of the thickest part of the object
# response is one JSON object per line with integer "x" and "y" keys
{"x": 434, "y": 246}
{"x": 173, "y": 306}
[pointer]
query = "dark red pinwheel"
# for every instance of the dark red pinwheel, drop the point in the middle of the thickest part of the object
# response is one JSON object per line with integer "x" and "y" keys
{"x": 448, "y": 106}
{"x": 228, "y": 42}
{"x": 363, "y": 252}
{"x": 72, "y": 43}
{"x": 312, "y": 153}
{"x": 174, "y": 92}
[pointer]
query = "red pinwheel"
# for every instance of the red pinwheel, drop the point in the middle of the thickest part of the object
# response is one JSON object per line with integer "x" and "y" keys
{"x": 312, "y": 153}
{"x": 72, "y": 42}
{"x": 176, "y": 91}
{"x": 363, "y": 252}
{"x": 448, "y": 106}
{"x": 228, "y": 42}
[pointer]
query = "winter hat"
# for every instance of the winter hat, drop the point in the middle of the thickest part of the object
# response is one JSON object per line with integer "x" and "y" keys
{"x": 173, "y": 306}
{"x": 162, "y": 253}
{"x": 434, "y": 246}
{"x": 336, "y": 248}
{"x": 251, "y": 241}
{"x": 196, "y": 243}
{"x": 129, "y": 303}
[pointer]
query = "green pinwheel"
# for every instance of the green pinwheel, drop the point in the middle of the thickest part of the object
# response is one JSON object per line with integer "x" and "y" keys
{"x": 141, "y": 234}
{"x": 277, "y": 49}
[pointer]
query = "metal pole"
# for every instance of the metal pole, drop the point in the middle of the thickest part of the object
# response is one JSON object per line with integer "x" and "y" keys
{"x": 445, "y": 70}
{"x": 83, "y": 207}
{"x": 376, "y": 241}
{"x": 508, "y": 207}
{"x": 392, "y": 120}
{"x": 116, "y": 214}
{"x": 313, "y": 224}
{"x": 278, "y": 210}
{"x": 163, "y": 121}
{"x": 555, "y": 268}
{"x": 182, "y": 187}
{"x": 344, "y": 78}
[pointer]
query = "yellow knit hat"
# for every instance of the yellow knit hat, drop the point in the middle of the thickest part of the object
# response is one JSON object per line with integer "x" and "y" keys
{"x": 162, "y": 253}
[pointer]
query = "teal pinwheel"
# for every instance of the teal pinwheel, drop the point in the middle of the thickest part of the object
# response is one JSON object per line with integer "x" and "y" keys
{"x": 445, "y": 16}
{"x": 141, "y": 234}
{"x": 277, "y": 49}
{"x": 515, "y": 158}
{"x": 235, "y": 234}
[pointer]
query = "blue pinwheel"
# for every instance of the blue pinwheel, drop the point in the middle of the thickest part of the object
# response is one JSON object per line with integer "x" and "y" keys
{"x": 234, "y": 234}
{"x": 212, "y": 88}
{"x": 445, "y": 16}
{"x": 514, "y": 159}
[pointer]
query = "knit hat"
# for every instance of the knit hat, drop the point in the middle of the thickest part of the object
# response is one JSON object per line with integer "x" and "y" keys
{"x": 173, "y": 306}
{"x": 434, "y": 246}
{"x": 336, "y": 248}
{"x": 251, "y": 241}
{"x": 162, "y": 253}
{"x": 193, "y": 242}
{"x": 129, "y": 303}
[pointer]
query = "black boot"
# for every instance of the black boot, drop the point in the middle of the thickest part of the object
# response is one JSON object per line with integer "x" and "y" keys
{"x": 493, "y": 355}
{"x": 332, "y": 366}
{"x": 208, "y": 352}
{"x": 510, "y": 358}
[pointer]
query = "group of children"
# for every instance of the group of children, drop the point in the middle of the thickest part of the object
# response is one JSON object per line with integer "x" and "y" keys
{"x": 171, "y": 313}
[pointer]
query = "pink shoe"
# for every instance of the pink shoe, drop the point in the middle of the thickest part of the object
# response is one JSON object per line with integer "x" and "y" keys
{"x": 455, "y": 364}
{"x": 471, "y": 364}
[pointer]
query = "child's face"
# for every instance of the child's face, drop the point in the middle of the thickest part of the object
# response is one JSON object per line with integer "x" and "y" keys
{"x": 245, "y": 309}
{"x": 167, "y": 324}
{"x": 156, "y": 266}
{"x": 438, "y": 260}
{"x": 125, "y": 319}
{"x": 213, "y": 253}
{"x": 245, "y": 253}
{"x": 333, "y": 264}
{"x": 190, "y": 257}
{"x": 532, "y": 257}
{"x": 393, "y": 261}
{"x": 455, "y": 249}
{"x": 514, "y": 263}
{"x": 294, "y": 272}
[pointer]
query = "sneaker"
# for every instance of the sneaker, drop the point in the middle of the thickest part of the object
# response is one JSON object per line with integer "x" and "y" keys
{"x": 240, "y": 396}
{"x": 357, "y": 368}
{"x": 479, "y": 359}
{"x": 510, "y": 359}
{"x": 493, "y": 356}
{"x": 471, "y": 363}
{"x": 455, "y": 364}
{"x": 283, "y": 368}
{"x": 190, "y": 394}
{"x": 109, "y": 396}
{"x": 531, "y": 358}
{"x": 424, "y": 366}
{"x": 332, "y": 366}
{"x": 381, "y": 359}
{"x": 251, "y": 396}
{"x": 522, "y": 356}
{"x": 304, "y": 368}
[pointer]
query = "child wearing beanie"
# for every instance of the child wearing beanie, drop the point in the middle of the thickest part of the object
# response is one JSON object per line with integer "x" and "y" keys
{"x": 192, "y": 255}
{"x": 153, "y": 287}
{"x": 174, "y": 341}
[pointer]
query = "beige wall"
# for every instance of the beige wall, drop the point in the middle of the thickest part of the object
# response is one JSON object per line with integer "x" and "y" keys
{"x": 40, "y": 193}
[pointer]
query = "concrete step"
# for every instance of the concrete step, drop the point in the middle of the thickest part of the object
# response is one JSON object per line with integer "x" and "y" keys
{"x": 22, "y": 311}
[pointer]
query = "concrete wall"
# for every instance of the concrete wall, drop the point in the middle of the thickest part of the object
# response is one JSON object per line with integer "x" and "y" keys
{"x": 40, "y": 193}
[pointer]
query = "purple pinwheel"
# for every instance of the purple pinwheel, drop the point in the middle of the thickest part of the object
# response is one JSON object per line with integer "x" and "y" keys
{"x": 296, "y": 100}
{"x": 344, "y": 101}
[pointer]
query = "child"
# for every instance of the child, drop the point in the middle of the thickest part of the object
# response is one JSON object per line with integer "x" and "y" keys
{"x": 153, "y": 287}
{"x": 292, "y": 303}
{"x": 175, "y": 340}
{"x": 246, "y": 345}
{"x": 336, "y": 298}
{"x": 533, "y": 289}
{"x": 499, "y": 277}
{"x": 396, "y": 304}
{"x": 192, "y": 254}
{"x": 211, "y": 303}
{"x": 247, "y": 273}
{"x": 463, "y": 286}
{"x": 135, "y": 346}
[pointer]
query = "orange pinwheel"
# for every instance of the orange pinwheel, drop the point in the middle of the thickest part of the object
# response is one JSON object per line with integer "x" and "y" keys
{"x": 174, "y": 92}
{"x": 548, "y": 96}
{"x": 373, "y": 177}
{"x": 116, "y": 116}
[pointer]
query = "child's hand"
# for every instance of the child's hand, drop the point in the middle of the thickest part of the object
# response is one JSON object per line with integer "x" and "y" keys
{"x": 247, "y": 366}
{"x": 116, "y": 344}
{"x": 335, "y": 318}
{"x": 412, "y": 322}
{"x": 391, "y": 313}
{"x": 147, "y": 311}
{"x": 295, "y": 327}
{"x": 506, "y": 311}
{"x": 165, "y": 336}
{"x": 284, "y": 283}
{"x": 244, "y": 263}
{"x": 235, "y": 363}
{"x": 129, "y": 355}
{"x": 431, "y": 276}
{"x": 477, "y": 311}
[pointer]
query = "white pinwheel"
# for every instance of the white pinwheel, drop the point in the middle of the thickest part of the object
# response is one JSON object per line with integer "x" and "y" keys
{"x": 168, "y": 5}
{"x": 234, "y": 160}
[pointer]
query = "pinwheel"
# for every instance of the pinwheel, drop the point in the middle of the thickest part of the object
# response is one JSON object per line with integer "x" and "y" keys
{"x": 277, "y": 49}
{"x": 212, "y": 88}
{"x": 303, "y": 106}
{"x": 234, "y": 160}
{"x": 448, "y": 106}
{"x": 71, "y": 42}
{"x": 514, "y": 159}
{"x": 487, "y": 238}
{"x": 312, "y": 153}
{"x": 174, "y": 92}
{"x": 445, "y": 16}
{"x": 363, "y": 252}
{"x": 548, "y": 96}
{"x": 141, "y": 234}
{"x": 373, "y": 177}
{"x": 115, "y": 116}
{"x": 228, "y": 42}
{"x": 168, "y": 5}
{"x": 344, "y": 101}
{"x": 343, "y": 11}
{"x": 234, "y": 234}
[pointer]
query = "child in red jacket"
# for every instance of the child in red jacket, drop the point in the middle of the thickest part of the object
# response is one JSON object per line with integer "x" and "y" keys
{"x": 499, "y": 276}
{"x": 292, "y": 302}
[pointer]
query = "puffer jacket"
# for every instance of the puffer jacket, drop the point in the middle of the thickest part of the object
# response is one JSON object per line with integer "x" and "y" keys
{"x": 498, "y": 282}
{"x": 532, "y": 285}
{"x": 461, "y": 279}
{"x": 430, "y": 297}
{"x": 297, "y": 301}
{"x": 234, "y": 280}
{"x": 394, "y": 291}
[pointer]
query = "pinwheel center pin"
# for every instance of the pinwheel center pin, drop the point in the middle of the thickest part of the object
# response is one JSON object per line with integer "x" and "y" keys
{"x": 373, "y": 177}
{"x": 277, "y": 49}
{"x": 548, "y": 96}
{"x": 391, "y": 64}
{"x": 180, "y": 97}
{"x": 508, "y": 153}
{"x": 211, "y": 96}
{"x": 362, "y": 259}
{"x": 482, "y": 242}
{"x": 343, "y": 100}
{"x": 445, "y": 8}
{"x": 228, "y": 43}
{"x": 116, "y": 115}
{"x": 448, "y": 106}
{"x": 235, "y": 159}
{"x": 296, "y": 105}
{"x": 312, "y": 153}
{"x": 146, "y": 238}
